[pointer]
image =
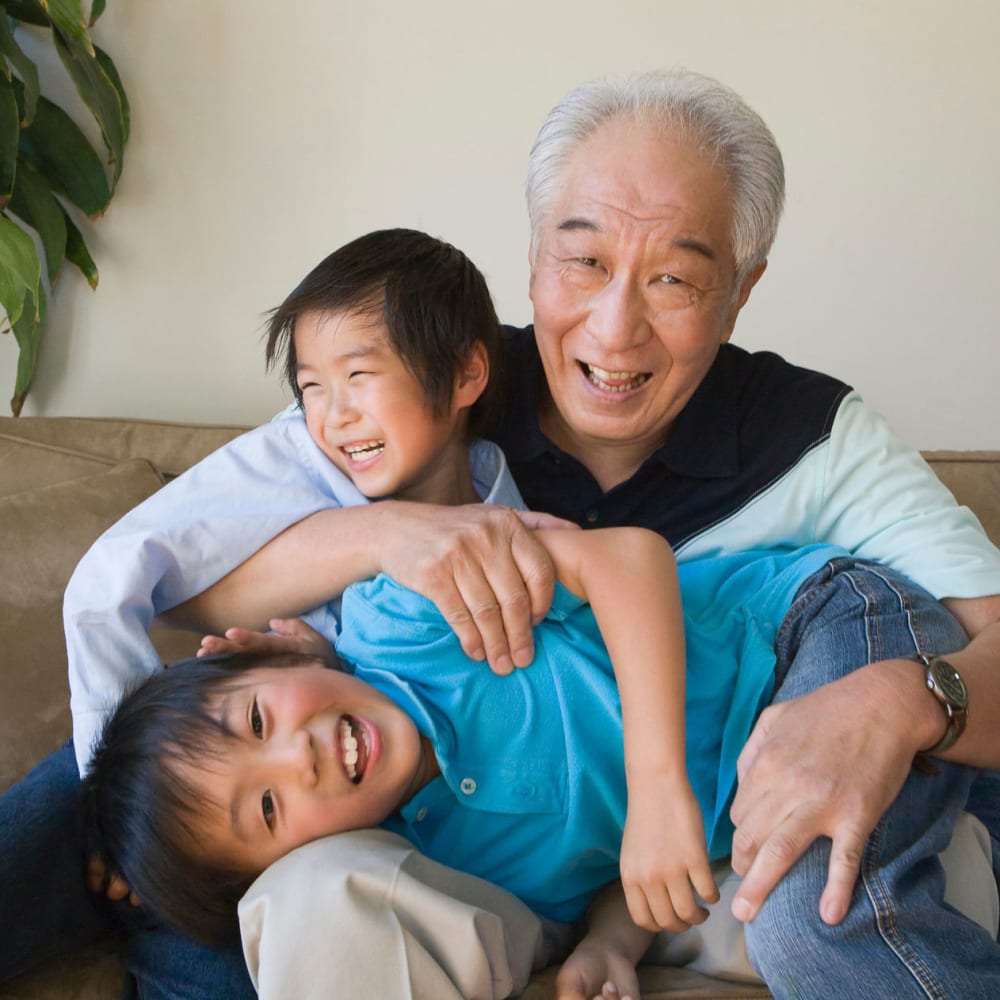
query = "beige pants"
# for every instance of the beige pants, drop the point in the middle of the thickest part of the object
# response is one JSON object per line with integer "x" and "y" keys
{"x": 365, "y": 915}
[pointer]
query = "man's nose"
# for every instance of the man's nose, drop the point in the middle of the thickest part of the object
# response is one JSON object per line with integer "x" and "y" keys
{"x": 618, "y": 317}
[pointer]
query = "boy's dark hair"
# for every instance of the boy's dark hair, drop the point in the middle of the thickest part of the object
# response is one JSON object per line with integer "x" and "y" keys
{"x": 433, "y": 300}
{"x": 139, "y": 812}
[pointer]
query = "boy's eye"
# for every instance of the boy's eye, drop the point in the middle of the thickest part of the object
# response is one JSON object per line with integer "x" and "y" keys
{"x": 267, "y": 808}
{"x": 256, "y": 722}
{"x": 307, "y": 385}
{"x": 355, "y": 374}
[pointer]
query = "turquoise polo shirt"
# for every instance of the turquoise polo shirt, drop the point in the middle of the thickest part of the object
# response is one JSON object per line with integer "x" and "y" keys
{"x": 532, "y": 791}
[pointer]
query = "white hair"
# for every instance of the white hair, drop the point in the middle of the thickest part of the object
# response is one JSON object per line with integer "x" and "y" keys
{"x": 684, "y": 104}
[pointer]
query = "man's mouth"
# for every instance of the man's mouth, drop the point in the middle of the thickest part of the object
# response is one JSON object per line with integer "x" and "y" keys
{"x": 354, "y": 747}
{"x": 363, "y": 451}
{"x": 611, "y": 381}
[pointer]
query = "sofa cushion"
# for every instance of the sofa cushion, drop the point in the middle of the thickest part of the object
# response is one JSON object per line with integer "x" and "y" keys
{"x": 171, "y": 447}
{"x": 43, "y": 534}
{"x": 974, "y": 478}
{"x": 27, "y": 464}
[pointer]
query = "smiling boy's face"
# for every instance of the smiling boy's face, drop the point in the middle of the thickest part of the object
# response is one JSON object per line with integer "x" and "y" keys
{"x": 314, "y": 752}
{"x": 370, "y": 415}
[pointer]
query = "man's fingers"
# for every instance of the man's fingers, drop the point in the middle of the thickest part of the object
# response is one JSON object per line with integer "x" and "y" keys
{"x": 842, "y": 875}
{"x": 772, "y": 861}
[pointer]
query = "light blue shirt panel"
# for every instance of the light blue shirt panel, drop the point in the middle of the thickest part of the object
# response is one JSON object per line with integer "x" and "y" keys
{"x": 536, "y": 759}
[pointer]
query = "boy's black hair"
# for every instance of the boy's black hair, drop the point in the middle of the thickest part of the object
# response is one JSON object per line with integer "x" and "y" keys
{"x": 433, "y": 300}
{"x": 140, "y": 814}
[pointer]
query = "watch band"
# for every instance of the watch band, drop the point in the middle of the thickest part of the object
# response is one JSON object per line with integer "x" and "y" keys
{"x": 947, "y": 686}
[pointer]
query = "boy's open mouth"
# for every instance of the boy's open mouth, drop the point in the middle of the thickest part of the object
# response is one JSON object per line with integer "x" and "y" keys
{"x": 354, "y": 747}
{"x": 363, "y": 451}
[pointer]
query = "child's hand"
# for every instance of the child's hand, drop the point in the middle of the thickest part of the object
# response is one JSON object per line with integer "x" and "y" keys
{"x": 113, "y": 886}
{"x": 596, "y": 971}
{"x": 664, "y": 860}
{"x": 287, "y": 635}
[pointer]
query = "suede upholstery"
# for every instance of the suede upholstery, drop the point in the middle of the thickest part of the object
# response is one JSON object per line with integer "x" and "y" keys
{"x": 62, "y": 482}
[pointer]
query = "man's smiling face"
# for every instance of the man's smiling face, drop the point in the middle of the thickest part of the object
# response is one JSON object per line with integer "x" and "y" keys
{"x": 634, "y": 289}
{"x": 313, "y": 751}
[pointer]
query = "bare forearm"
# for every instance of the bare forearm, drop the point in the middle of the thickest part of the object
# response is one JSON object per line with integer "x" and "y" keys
{"x": 308, "y": 564}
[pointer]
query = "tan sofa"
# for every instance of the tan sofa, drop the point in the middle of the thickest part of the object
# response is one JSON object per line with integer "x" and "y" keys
{"x": 62, "y": 482}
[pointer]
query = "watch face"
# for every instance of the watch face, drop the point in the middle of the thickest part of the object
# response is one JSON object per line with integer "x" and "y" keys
{"x": 952, "y": 686}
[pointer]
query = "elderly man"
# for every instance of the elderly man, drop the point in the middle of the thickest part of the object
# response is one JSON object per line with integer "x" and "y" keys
{"x": 653, "y": 206}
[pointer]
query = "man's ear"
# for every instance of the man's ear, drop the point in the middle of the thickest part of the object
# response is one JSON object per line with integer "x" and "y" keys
{"x": 742, "y": 295}
{"x": 472, "y": 379}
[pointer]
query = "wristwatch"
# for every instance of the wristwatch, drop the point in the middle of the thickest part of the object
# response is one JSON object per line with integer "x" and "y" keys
{"x": 946, "y": 684}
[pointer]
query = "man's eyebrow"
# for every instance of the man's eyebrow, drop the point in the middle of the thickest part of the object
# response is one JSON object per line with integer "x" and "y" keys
{"x": 577, "y": 223}
{"x": 574, "y": 223}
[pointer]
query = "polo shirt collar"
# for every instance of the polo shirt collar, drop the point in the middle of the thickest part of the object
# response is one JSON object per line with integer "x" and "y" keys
{"x": 704, "y": 441}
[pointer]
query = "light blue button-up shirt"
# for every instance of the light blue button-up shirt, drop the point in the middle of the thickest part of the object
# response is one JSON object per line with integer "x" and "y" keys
{"x": 189, "y": 535}
{"x": 532, "y": 789}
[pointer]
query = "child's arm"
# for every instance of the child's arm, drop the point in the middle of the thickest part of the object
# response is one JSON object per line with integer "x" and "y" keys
{"x": 629, "y": 577}
{"x": 287, "y": 635}
{"x": 607, "y": 954}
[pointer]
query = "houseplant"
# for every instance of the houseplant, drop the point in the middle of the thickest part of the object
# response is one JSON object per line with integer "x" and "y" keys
{"x": 49, "y": 170}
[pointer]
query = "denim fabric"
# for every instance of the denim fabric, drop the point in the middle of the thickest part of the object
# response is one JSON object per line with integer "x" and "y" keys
{"x": 45, "y": 908}
{"x": 899, "y": 939}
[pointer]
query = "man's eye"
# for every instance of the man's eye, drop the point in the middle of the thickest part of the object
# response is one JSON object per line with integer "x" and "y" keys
{"x": 267, "y": 808}
{"x": 256, "y": 722}
{"x": 587, "y": 261}
{"x": 669, "y": 279}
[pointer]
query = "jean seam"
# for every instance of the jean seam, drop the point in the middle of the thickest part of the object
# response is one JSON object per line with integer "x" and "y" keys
{"x": 878, "y": 894}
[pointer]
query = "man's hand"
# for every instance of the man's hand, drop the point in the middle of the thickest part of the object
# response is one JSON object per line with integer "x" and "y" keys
{"x": 827, "y": 764}
{"x": 484, "y": 570}
{"x": 664, "y": 859}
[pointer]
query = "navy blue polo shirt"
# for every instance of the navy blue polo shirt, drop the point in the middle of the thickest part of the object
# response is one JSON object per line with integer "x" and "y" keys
{"x": 750, "y": 422}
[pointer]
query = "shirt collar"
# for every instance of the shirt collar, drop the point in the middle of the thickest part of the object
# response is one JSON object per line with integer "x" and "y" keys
{"x": 704, "y": 441}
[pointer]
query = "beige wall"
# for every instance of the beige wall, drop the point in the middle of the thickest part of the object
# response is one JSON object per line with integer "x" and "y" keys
{"x": 265, "y": 134}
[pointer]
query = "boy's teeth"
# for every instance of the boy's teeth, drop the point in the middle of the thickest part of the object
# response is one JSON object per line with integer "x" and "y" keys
{"x": 349, "y": 747}
{"x": 366, "y": 450}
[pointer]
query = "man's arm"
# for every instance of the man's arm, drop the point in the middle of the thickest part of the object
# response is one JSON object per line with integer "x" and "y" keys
{"x": 629, "y": 577}
{"x": 801, "y": 778}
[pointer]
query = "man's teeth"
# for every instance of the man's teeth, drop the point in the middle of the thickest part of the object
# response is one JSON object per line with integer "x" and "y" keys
{"x": 367, "y": 450}
{"x": 349, "y": 747}
{"x": 614, "y": 381}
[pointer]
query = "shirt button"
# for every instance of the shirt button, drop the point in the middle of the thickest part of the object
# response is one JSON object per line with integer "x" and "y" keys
{"x": 421, "y": 813}
{"x": 592, "y": 516}
{"x": 468, "y": 786}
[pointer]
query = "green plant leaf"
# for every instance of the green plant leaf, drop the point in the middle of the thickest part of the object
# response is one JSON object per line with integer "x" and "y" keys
{"x": 58, "y": 149}
{"x": 30, "y": 11}
{"x": 98, "y": 93}
{"x": 69, "y": 21}
{"x": 111, "y": 72}
{"x": 10, "y": 130}
{"x": 20, "y": 269}
{"x": 28, "y": 334}
{"x": 23, "y": 67}
{"x": 96, "y": 10}
{"x": 34, "y": 204}
{"x": 77, "y": 253}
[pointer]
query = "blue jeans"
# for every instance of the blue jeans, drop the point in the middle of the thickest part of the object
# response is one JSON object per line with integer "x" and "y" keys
{"x": 45, "y": 908}
{"x": 899, "y": 939}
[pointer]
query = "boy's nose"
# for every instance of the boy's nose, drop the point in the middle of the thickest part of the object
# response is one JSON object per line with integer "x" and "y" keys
{"x": 295, "y": 756}
{"x": 341, "y": 410}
